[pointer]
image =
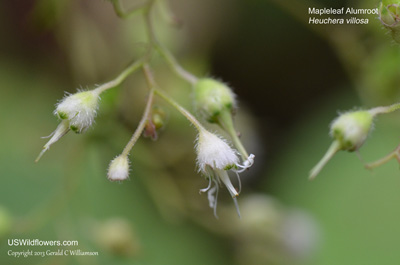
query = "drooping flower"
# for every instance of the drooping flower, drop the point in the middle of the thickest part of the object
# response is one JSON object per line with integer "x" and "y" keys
{"x": 77, "y": 113}
{"x": 214, "y": 159}
{"x": 119, "y": 168}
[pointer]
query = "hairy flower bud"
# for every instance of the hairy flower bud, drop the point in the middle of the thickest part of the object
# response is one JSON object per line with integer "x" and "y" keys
{"x": 79, "y": 109}
{"x": 212, "y": 97}
{"x": 351, "y": 129}
{"x": 119, "y": 168}
{"x": 389, "y": 15}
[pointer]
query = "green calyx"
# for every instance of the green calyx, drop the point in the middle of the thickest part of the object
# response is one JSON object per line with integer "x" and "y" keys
{"x": 351, "y": 129}
{"x": 212, "y": 97}
{"x": 389, "y": 15}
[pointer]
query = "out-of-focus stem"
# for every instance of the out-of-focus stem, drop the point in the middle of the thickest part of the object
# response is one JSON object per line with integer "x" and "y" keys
{"x": 384, "y": 160}
{"x": 335, "y": 146}
{"x": 181, "y": 109}
{"x": 119, "y": 10}
{"x": 122, "y": 76}
{"x": 226, "y": 122}
{"x": 383, "y": 110}
{"x": 141, "y": 125}
{"x": 169, "y": 58}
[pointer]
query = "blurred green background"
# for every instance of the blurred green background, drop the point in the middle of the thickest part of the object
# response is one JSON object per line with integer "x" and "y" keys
{"x": 291, "y": 79}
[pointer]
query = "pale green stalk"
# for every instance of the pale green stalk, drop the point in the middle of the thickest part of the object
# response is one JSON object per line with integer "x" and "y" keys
{"x": 122, "y": 76}
{"x": 119, "y": 10}
{"x": 335, "y": 146}
{"x": 226, "y": 122}
{"x": 384, "y": 160}
{"x": 141, "y": 125}
{"x": 170, "y": 59}
{"x": 181, "y": 109}
{"x": 386, "y": 109}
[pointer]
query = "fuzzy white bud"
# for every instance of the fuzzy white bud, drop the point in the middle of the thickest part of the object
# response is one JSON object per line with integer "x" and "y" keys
{"x": 80, "y": 109}
{"x": 119, "y": 168}
{"x": 214, "y": 152}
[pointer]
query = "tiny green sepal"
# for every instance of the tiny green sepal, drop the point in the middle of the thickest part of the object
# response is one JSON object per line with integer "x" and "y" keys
{"x": 62, "y": 115}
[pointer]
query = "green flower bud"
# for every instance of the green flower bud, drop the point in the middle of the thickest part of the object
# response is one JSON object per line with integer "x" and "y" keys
{"x": 212, "y": 98}
{"x": 389, "y": 15}
{"x": 158, "y": 117}
{"x": 351, "y": 129}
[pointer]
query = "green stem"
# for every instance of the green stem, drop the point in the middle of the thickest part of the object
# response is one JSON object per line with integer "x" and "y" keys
{"x": 383, "y": 110}
{"x": 381, "y": 161}
{"x": 226, "y": 122}
{"x": 141, "y": 125}
{"x": 170, "y": 59}
{"x": 335, "y": 146}
{"x": 181, "y": 109}
{"x": 122, "y": 76}
{"x": 119, "y": 10}
{"x": 384, "y": 160}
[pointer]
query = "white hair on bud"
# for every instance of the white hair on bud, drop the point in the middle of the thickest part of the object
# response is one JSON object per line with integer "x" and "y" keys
{"x": 214, "y": 151}
{"x": 118, "y": 169}
{"x": 79, "y": 108}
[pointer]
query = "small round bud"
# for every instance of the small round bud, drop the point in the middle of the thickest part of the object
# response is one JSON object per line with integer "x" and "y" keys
{"x": 351, "y": 129}
{"x": 155, "y": 123}
{"x": 158, "y": 117}
{"x": 212, "y": 97}
{"x": 80, "y": 109}
{"x": 119, "y": 168}
{"x": 389, "y": 15}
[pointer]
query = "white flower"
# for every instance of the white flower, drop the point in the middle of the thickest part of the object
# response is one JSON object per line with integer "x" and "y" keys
{"x": 214, "y": 158}
{"x": 79, "y": 109}
{"x": 119, "y": 168}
